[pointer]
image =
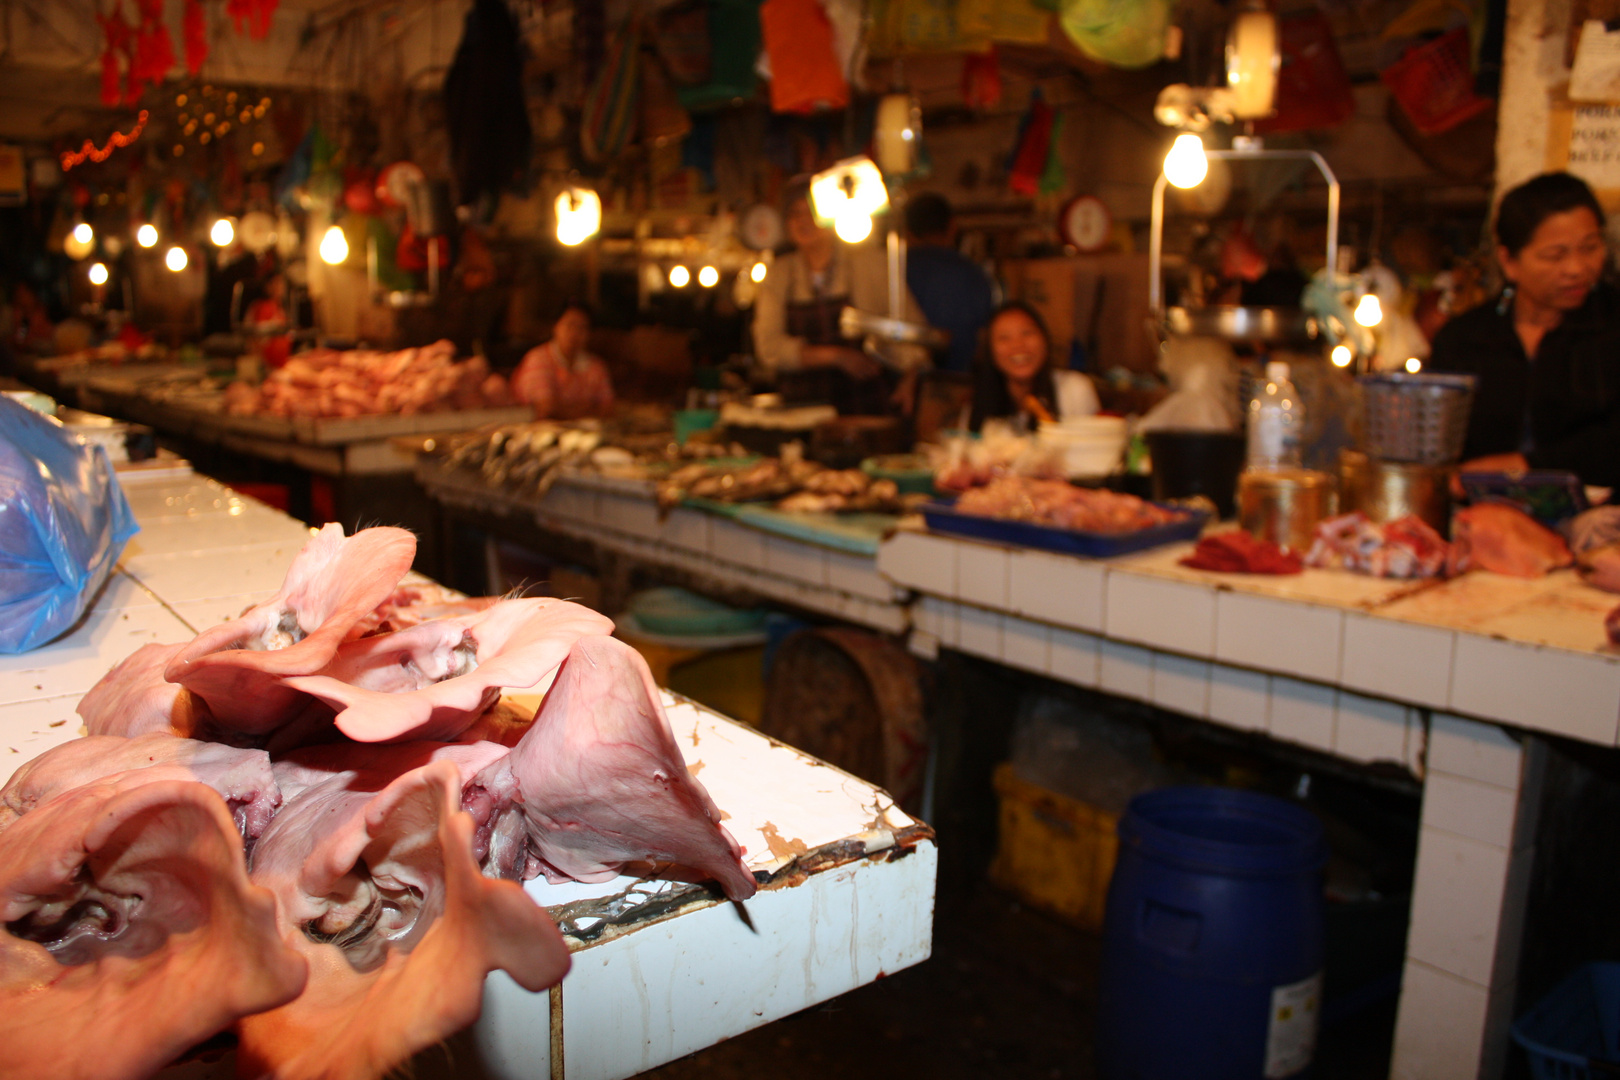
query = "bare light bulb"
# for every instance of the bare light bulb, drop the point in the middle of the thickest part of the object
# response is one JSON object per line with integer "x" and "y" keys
{"x": 708, "y": 277}
{"x": 222, "y": 233}
{"x": 175, "y": 258}
{"x": 680, "y": 276}
{"x": 98, "y": 273}
{"x": 83, "y": 233}
{"x": 758, "y": 272}
{"x": 1369, "y": 312}
{"x": 334, "y": 246}
{"x": 146, "y": 236}
{"x": 1414, "y": 365}
{"x": 1341, "y": 356}
{"x": 1185, "y": 165}
{"x": 852, "y": 224}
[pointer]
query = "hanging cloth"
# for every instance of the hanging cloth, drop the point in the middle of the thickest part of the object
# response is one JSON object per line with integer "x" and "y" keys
{"x": 1033, "y": 147}
{"x": 608, "y": 121}
{"x": 805, "y": 76}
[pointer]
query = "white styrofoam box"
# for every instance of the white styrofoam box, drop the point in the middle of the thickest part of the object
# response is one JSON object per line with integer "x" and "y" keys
{"x": 1126, "y": 670}
{"x": 687, "y": 529}
{"x": 244, "y": 571}
{"x": 1302, "y": 712}
{"x": 76, "y": 662}
{"x": 981, "y": 575}
{"x": 1284, "y": 636}
{"x": 1440, "y": 1028}
{"x": 1370, "y": 729}
{"x": 1058, "y": 589}
{"x": 1239, "y": 697}
{"x": 1075, "y": 656}
{"x": 796, "y": 559}
{"x": 628, "y": 514}
{"x": 29, "y": 728}
{"x": 733, "y": 543}
{"x": 978, "y": 631}
{"x": 1026, "y": 645}
{"x": 1474, "y": 750}
{"x": 1532, "y": 686}
{"x": 919, "y": 561}
{"x": 1457, "y": 904}
{"x": 1181, "y": 684}
{"x": 1482, "y": 812}
{"x": 1174, "y": 615}
{"x": 858, "y": 576}
{"x": 1394, "y": 659}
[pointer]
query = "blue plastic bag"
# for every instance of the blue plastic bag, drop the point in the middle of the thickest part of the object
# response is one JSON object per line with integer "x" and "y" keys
{"x": 63, "y": 522}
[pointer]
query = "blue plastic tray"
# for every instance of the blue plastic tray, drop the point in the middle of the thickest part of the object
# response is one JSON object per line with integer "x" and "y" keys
{"x": 1574, "y": 1032}
{"x": 943, "y": 517}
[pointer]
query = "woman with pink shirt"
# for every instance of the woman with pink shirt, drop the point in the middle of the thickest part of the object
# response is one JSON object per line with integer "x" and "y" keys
{"x": 559, "y": 379}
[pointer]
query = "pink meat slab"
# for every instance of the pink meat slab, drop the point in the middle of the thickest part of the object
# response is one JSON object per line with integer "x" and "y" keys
{"x": 134, "y": 698}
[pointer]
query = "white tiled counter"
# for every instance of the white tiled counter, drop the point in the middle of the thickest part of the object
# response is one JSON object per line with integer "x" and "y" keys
{"x": 850, "y": 899}
{"x": 1440, "y": 678}
{"x": 622, "y": 516}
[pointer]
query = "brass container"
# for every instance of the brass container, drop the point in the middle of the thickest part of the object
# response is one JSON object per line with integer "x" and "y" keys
{"x": 1386, "y": 490}
{"x": 1284, "y": 505}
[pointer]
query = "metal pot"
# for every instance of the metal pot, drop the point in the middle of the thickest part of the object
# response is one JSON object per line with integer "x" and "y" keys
{"x": 1386, "y": 490}
{"x": 1284, "y": 505}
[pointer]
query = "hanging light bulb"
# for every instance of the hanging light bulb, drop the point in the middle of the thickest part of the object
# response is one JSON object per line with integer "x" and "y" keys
{"x": 175, "y": 258}
{"x": 1414, "y": 365}
{"x": 146, "y": 235}
{"x": 852, "y": 224}
{"x": 98, "y": 273}
{"x": 1341, "y": 356}
{"x": 679, "y": 276}
{"x": 223, "y": 232}
{"x": 758, "y": 272}
{"x": 1369, "y": 312}
{"x": 1185, "y": 165}
{"x": 708, "y": 277}
{"x": 334, "y": 246}
{"x": 579, "y": 215}
{"x": 80, "y": 242}
{"x": 83, "y": 233}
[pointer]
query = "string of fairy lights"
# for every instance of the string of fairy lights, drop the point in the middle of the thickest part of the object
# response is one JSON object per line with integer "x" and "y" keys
{"x": 205, "y": 114}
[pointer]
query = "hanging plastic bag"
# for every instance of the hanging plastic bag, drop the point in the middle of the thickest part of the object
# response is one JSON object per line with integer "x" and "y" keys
{"x": 63, "y": 522}
{"x": 805, "y": 75}
{"x": 1122, "y": 33}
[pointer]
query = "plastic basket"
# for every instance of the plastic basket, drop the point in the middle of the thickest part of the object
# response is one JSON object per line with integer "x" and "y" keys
{"x": 1416, "y": 418}
{"x": 1575, "y": 1026}
{"x": 1434, "y": 84}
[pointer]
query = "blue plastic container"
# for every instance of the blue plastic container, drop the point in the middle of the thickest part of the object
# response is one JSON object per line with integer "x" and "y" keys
{"x": 1212, "y": 943}
{"x": 1575, "y": 1025}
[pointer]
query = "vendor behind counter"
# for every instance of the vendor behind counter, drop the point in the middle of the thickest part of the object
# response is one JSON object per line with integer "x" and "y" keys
{"x": 1546, "y": 351}
{"x": 1019, "y": 380}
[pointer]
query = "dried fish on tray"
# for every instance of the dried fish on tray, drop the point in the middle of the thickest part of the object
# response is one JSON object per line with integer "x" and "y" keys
{"x": 790, "y": 483}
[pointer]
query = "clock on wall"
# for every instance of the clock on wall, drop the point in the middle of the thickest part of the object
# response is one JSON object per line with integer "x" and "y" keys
{"x": 1086, "y": 223}
{"x": 761, "y": 227}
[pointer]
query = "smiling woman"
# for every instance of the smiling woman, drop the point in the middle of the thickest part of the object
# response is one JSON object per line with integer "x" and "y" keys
{"x": 1020, "y": 380}
{"x": 1546, "y": 352}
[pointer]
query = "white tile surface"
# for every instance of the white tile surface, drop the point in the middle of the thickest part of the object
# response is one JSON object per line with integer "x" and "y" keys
{"x": 1302, "y": 712}
{"x": 1395, "y": 659}
{"x": 1058, "y": 589}
{"x": 1161, "y": 614}
{"x": 858, "y": 576}
{"x": 981, "y": 576}
{"x": 687, "y": 528}
{"x": 199, "y": 615}
{"x": 29, "y": 728}
{"x": 1474, "y": 750}
{"x": 1075, "y": 656}
{"x": 1181, "y": 684}
{"x": 122, "y": 592}
{"x": 796, "y": 560}
{"x": 182, "y": 577}
{"x": 1537, "y": 687}
{"x": 1279, "y": 635}
{"x": 1126, "y": 670}
{"x": 75, "y": 663}
{"x": 1026, "y": 645}
{"x": 918, "y": 560}
{"x": 738, "y": 544}
{"x": 979, "y": 631}
{"x": 627, "y": 514}
{"x": 1457, "y": 904}
{"x": 1239, "y": 697}
{"x": 1370, "y": 729}
{"x": 1468, "y": 808}
{"x": 1440, "y": 1029}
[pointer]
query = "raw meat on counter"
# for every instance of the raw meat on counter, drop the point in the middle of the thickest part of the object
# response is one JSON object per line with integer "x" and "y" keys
{"x": 1600, "y": 567}
{"x": 384, "y": 878}
{"x": 1062, "y": 505}
{"x": 1407, "y": 547}
{"x": 363, "y": 382}
{"x": 1503, "y": 538}
{"x": 1235, "y": 551}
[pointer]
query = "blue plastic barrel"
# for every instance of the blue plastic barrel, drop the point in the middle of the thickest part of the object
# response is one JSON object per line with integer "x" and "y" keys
{"x": 1212, "y": 942}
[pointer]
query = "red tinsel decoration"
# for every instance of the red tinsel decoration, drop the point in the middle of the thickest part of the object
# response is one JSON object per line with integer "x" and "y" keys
{"x": 117, "y": 139}
{"x": 118, "y": 33}
{"x": 194, "y": 32}
{"x": 154, "y": 50}
{"x": 252, "y": 16}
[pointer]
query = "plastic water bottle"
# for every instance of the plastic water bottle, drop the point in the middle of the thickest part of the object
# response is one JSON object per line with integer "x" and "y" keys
{"x": 1275, "y": 420}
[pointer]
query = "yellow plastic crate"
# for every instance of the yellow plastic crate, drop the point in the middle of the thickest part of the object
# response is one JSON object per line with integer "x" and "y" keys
{"x": 1055, "y": 852}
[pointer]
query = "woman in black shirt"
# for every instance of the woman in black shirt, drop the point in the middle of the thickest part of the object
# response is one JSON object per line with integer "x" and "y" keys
{"x": 1546, "y": 353}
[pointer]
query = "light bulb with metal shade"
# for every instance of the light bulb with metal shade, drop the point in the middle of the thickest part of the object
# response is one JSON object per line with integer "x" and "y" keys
{"x": 175, "y": 258}
{"x": 579, "y": 215}
{"x": 852, "y": 224}
{"x": 334, "y": 246}
{"x": 1369, "y": 312}
{"x": 223, "y": 232}
{"x": 147, "y": 235}
{"x": 1185, "y": 166}
{"x": 98, "y": 273}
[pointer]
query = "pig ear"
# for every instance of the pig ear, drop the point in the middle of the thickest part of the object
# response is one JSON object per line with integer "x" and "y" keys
{"x": 134, "y": 698}
{"x": 332, "y": 584}
{"x": 352, "y": 1023}
{"x": 202, "y": 941}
